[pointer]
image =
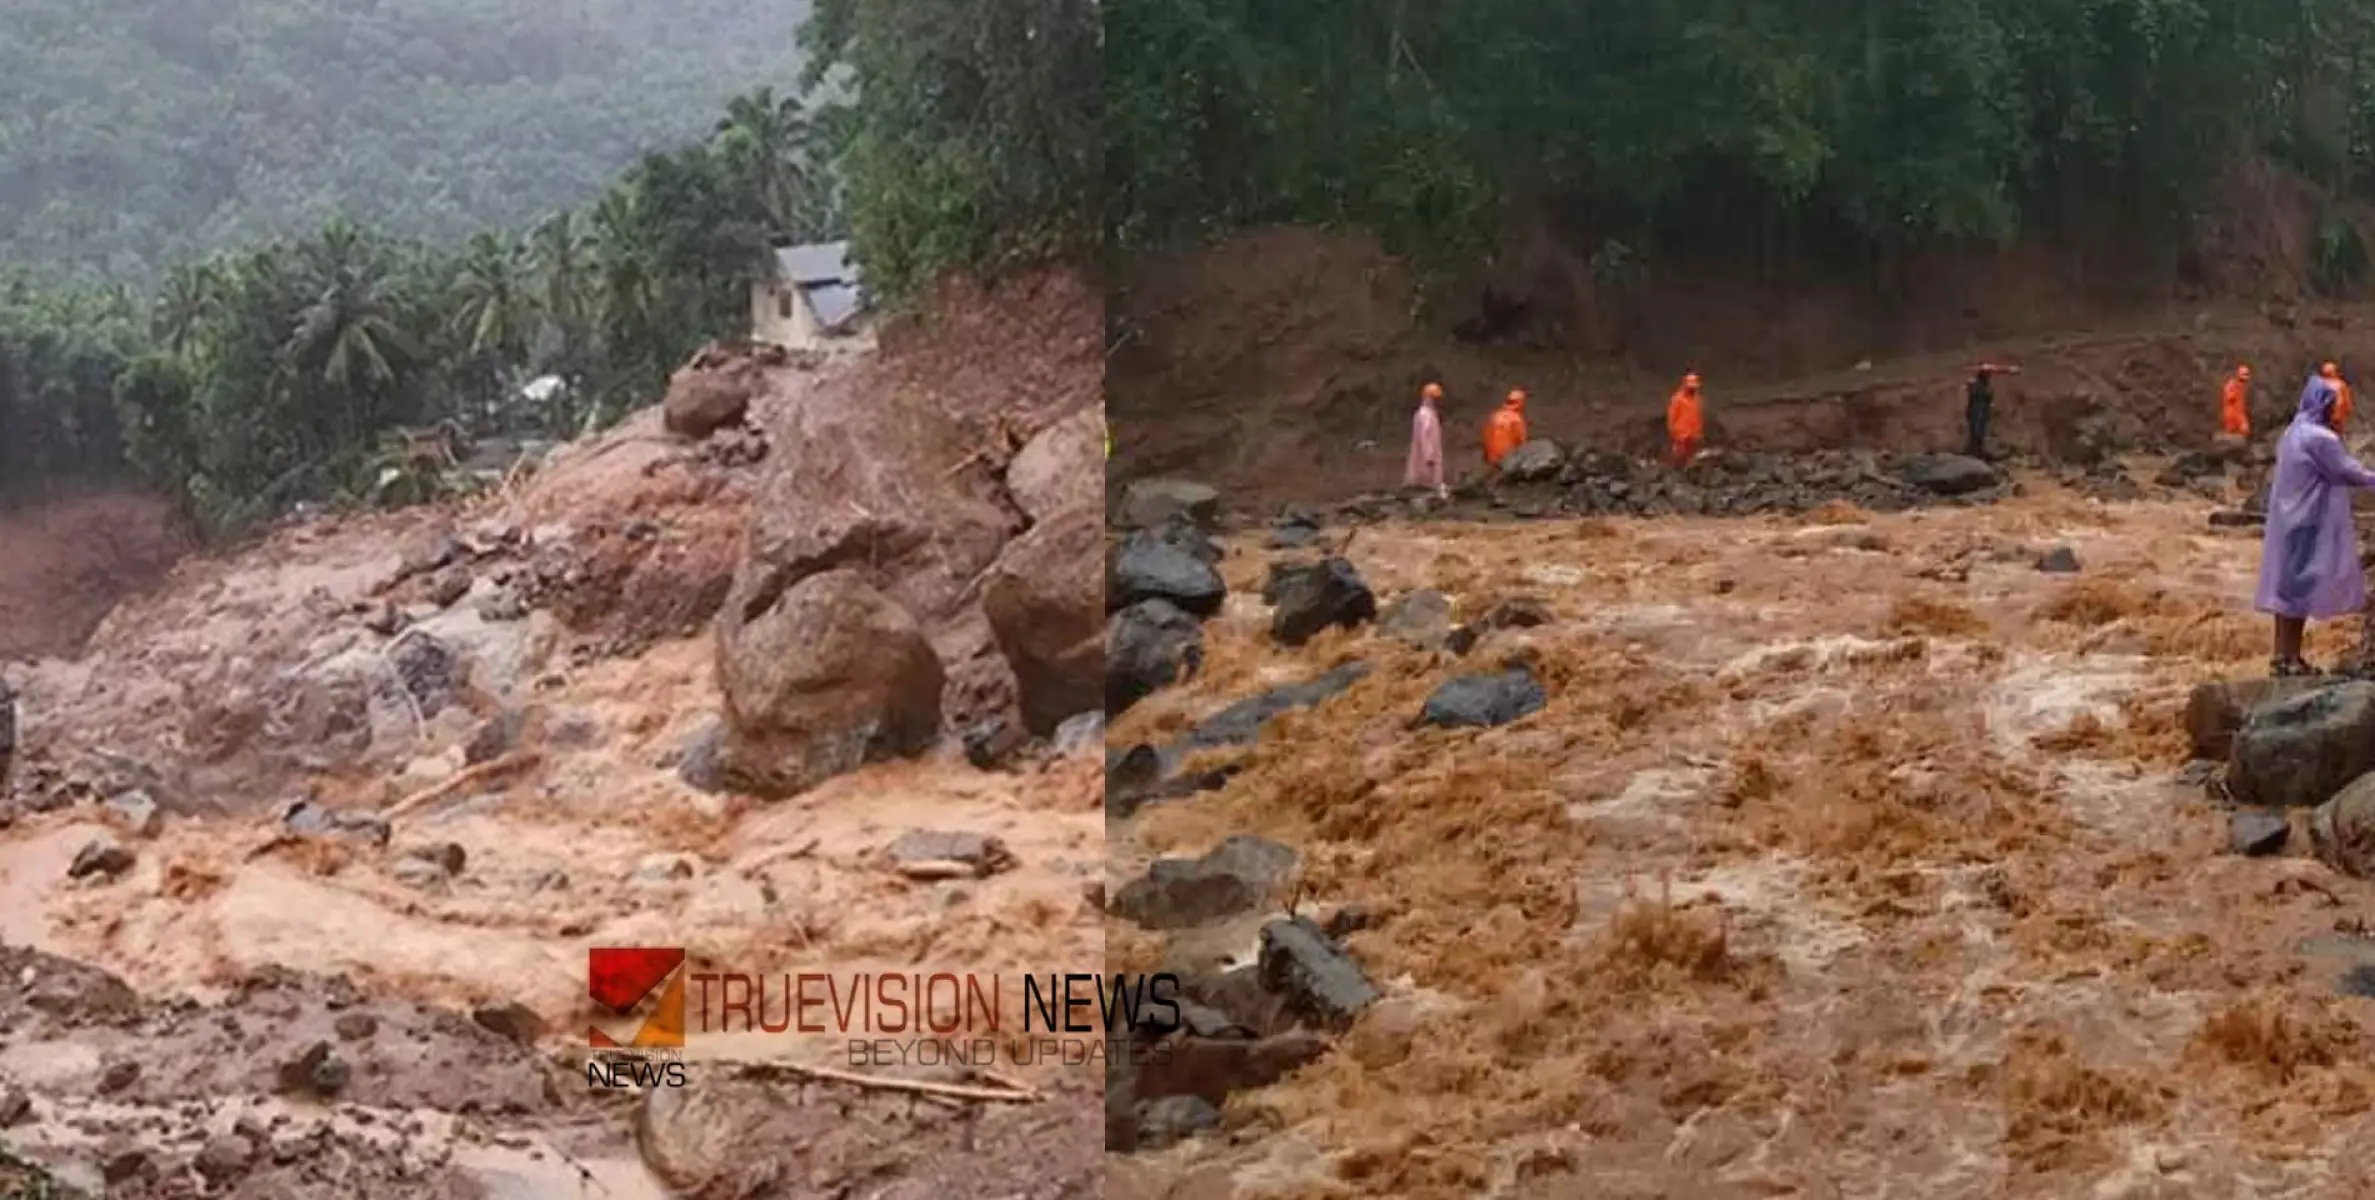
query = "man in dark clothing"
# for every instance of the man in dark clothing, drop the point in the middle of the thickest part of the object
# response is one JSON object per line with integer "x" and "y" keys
{"x": 1979, "y": 402}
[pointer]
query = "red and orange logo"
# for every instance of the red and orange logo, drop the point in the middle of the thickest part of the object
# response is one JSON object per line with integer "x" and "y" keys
{"x": 621, "y": 979}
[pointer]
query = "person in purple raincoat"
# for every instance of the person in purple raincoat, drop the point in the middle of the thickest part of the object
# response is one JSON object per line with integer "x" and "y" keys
{"x": 2309, "y": 566}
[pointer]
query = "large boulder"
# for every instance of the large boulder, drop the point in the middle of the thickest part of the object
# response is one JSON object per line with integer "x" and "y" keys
{"x": 1061, "y": 469}
{"x": 1150, "y": 503}
{"x": 2298, "y": 750}
{"x": 1047, "y": 608}
{"x": 2342, "y": 830}
{"x": 1330, "y": 594}
{"x": 715, "y": 389}
{"x": 1237, "y": 876}
{"x": 1146, "y": 566}
{"x": 2217, "y": 709}
{"x": 1148, "y": 646}
{"x": 1537, "y": 461}
{"x": 1950, "y": 474}
{"x": 820, "y": 677}
{"x": 1480, "y": 701}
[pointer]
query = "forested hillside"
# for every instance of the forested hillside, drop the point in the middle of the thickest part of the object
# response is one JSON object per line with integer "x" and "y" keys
{"x": 135, "y": 134}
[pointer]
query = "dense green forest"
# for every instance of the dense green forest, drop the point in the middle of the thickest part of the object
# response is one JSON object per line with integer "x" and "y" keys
{"x": 137, "y": 134}
{"x": 268, "y": 373}
{"x": 1746, "y": 127}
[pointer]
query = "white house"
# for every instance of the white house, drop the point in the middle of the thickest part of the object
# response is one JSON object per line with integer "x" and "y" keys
{"x": 812, "y": 301}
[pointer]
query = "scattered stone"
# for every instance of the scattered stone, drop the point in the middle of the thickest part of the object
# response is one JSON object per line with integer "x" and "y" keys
{"x": 1151, "y": 503}
{"x": 15, "y": 1106}
{"x": 510, "y": 1019}
{"x": 305, "y": 818}
{"x": 714, "y": 390}
{"x": 429, "y": 669}
{"x": 318, "y": 1070}
{"x": 1421, "y": 618}
{"x": 1174, "y": 1119}
{"x": 2061, "y": 560}
{"x": 702, "y": 765}
{"x": 1236, "y": 876}
{"x": 123, "y": 1166}
{"x": 495, "y": 737}
{"x": 1950, "y": 474}
{"x": 1330, "y": 594}
{"x": 1537, "y": 461}
{"x": 448, "y": 857}
{"x": 118, "y": 1075}
{"x": 1321, "y": 982}
{"x": 1348, "y": 920}
{"x": 139, "y": 812}
{"x": 1242, "y": 722}
{"x": 355, "y": 1026}
{"x": 100, "y": 856}
{"x": 1144, "y": 567}
{"x": 981, "y": 854}
{"x": 1476, "y": 701}
{"x": 1294, "y": 529}
{"x": 1517, "y": 612}
{"x": 1081, "y": 734}
{"x": 224, "y": 1158}
{"x": 431, "y": 552}
{"x": 2255, "y": 834}
{"x": 506, "y": 603}
{"x": 2299, "y": 750}
{"x": 449, "y": 588}
{"x": 1148, "y": 646}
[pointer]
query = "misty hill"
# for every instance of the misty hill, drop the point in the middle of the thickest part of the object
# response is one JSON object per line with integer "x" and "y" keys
{"x": 136, "y": 133}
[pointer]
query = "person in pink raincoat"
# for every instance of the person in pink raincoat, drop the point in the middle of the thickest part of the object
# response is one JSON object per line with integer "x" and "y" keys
{"x": 1425, "y": 468}
{"x": 2309, "y": 566}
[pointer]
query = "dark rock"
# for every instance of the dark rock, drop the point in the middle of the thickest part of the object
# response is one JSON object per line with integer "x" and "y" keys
{"x": 1284, "y": 577}
{"x": 448, "y": 857}
{"x": 1149, "y": 646}
{"x": 1235, "y": 877}
{"x": 510, "y": 1019}
{"x": 2061, "y": 560}
{"x": 1484, "y": 700}
{"x": 429, "y": 553}
{"x": 1421, "y": 618}
{"x": 1950, "y": 474}
{"x": 1145, "y": 567}
{"x": 355, "y": 1026}
{"x": 702, "y": 765}
{"x": 1538, "y": 461}
{"x": 318, "y": 1070}
{"x": 118, "y": 1075}
{"x": 2301, "y": 749}
{"x": 1212, "y": 1068}
{"x": 2231, "y": 519}
{"x": 1331, "y": 594}
{"x": 1174, "y": 1119}
{"x": 307, "y": 819}
{"x": 1294, "y": 530}
{"x": 992, "y": 741}
{"x": 15, "y": 1106}
{"x": 1132, "y": 777}
{"x": 1348, "y": 920}
{"x": 1323, "y": 984}
{"x": 2216, "y": 710}
{"x": 494, "y": 738}
{"x": 1242, "y": 722}
{"x": 448, "y": 588}
{"x": 429, "y": 669}
{"x": 2257, "y": 833}
{"x": 987, "y": 855}
{"x": 100, "y": 856}
{"x": 505, "y": 603}
{"x": 126, "y": 1165}
{"x": 1149, "y": 503}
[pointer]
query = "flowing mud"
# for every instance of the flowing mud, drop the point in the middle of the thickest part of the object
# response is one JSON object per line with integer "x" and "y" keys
{"x": 1849, "y": 857}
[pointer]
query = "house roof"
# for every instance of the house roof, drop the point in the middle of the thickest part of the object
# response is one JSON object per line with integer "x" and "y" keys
{"x": 815, "y": 263}
{"x": 833, "y": 303}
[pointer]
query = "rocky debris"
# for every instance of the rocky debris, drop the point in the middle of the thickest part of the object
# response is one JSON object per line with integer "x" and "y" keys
{"x": 509, "y": 1019}
{"x": 990, "y": 742}
{"x": 101, "y": 856}
{"x": 716, "y": 388}
{"x": 448, "y": 588}
{"x": 980, "y": 854}
{"x": 428, "y": 667}
{"x": 1173, "y": 1119}
{"x": 1046, "y": 609}
{"x": 224, "y": 1159}
{"x": 2061, "y": 560}
{"x": 1536, "y": 461}
{"x": 1294, "y": 529}
{"x": 494, "y": 737}
{"x": 1237, "y": 876}
{"x": 1478, "y": 701}
{"x": 433, "y": 550}
{"x": 2216, "y": 710}
{"x": 122, "y": 1165}
{"x": 1149, "y": 646}
{"x": 1331, "y": 593}
{"x": 118, "y": 1076}
{"x": 2255, "y": 833}
{"x": 1212, "y": 1068}
{"x": 508, "y": 602}
{"x": 1950, "y": 474}
{"x": 2299, "y": 750}
{"x": 318, "y": 1070}
{"x": 1518, "y": 612}
{"x": 304, "y": 818}
{"x": 1149, "y": 566}
{"x": 820, "y": 678}
{"x": 701, "y": 764}
{"x": 1321, "y": 983}
{"x": 1421, "y": 618}
{"x": 1152, "y": 503}
{"x": 138, "y": 811}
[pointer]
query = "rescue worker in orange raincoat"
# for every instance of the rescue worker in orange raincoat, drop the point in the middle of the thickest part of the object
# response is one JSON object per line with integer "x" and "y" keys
{"x": 2234, "y": 404}
{"x": 1506, "y": 431}
{"x": 1686, "y": 421}
{"x": 2333, "y": 374}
